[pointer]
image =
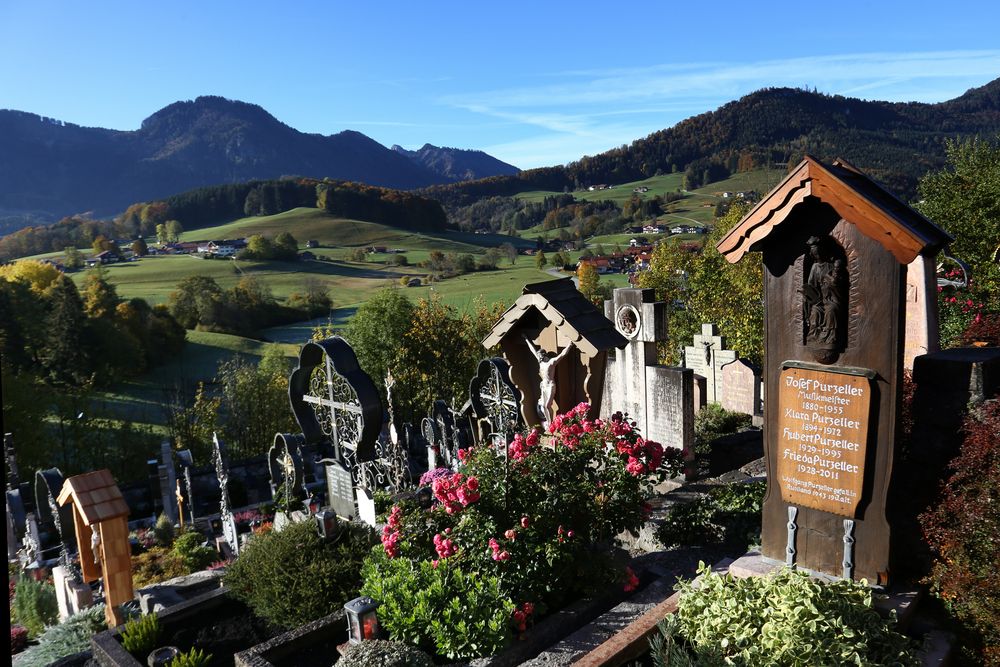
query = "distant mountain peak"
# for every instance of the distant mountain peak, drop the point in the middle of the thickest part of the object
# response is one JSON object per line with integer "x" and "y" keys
{"x": 458, "y": 164}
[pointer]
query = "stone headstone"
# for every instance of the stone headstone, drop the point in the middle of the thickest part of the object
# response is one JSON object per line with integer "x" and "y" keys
{"x": 700, "y": 388}
{"x": 72, "y": 596}
{"x": 741, "y": 387}
{"x": 366, "y": 506}
{"x": 706, "y": 357}
{"x": 168, "y": 480}
{"x": 340, "y": 490}
{"x": 13, "y": 544}
{"x": 835, "y": 248}
{"x": 659, "y": 398}
{"x": 922, "y": 332}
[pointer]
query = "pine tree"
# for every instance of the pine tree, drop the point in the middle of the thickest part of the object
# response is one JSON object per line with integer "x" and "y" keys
{"x": 64, "y": 354}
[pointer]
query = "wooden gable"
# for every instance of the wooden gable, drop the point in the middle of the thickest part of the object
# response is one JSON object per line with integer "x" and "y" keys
{"x": 95, "y": 495}
{"x": 857, "y": 199}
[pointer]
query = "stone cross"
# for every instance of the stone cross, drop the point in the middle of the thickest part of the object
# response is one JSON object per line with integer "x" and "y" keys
{"x": 659, "y": 398}
{"x": 707, "y": 357}
{"x": 168, "y": 479}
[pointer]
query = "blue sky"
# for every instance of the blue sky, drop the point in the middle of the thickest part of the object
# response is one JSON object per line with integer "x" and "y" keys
{"x": 534, "y": 83}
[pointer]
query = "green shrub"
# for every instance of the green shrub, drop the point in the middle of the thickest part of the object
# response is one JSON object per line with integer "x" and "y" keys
{"x": 189, "y": 548}
{"x": 156, "y": 565}
{"x": 782, "y": 619}
{"x": 713, "y": 421}
{"x": 69, "y": 637}
{"x": 692, "y": 523}
{"x": 193, "y": 658}
{"x": 510, "y": 538}
{"x": 383, "y": 653}
{"x": 164, "y": 531}
{"x": 141, "y": 635}
{"x": 294, "y": 576}
{"x": 438, "y": 607}
{"x": 729, "y": 514}
{"x": 35, "y": 605}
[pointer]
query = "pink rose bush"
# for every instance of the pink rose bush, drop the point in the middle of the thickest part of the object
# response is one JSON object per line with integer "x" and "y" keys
{"x": 527, "y": 530}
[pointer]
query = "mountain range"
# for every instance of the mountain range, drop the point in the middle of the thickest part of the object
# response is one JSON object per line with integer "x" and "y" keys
{"x": 895, "y": 142}
{"x": 51, "y": 168}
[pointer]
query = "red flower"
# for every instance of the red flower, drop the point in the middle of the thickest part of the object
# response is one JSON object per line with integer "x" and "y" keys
{"x": 631, "y": 581}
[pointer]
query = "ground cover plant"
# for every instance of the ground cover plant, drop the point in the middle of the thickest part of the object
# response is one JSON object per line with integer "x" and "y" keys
{"x": 785, "y": 618}
{"x": 512, "y": 536}
{"x": 63, "y": 639}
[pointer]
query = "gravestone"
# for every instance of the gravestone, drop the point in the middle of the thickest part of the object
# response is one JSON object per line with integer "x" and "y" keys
{"x": 494, "y": 398}
{"x": 168, "y": 480}
{"x": 659, "y": 398}
{"x": 220, "y": 459}
{"x": 741, "y": 388}
{"x": 339, "y": 410}
{"x": 706, "y": 357}
{"x": 186, "y": 460}
{"x": 835, "y": 247}
{"x": 922, "y": 332}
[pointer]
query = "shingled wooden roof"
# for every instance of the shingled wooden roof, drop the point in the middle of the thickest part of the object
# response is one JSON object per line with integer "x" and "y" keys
{"x": 561, "y": 302}
{"x": 861, "y": 201}
{"x": 96, "y": 496}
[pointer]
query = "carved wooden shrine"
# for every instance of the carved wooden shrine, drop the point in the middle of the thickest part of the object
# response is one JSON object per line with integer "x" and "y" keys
{"x": 835, "y": 251}
{"x": 100, "y": 517}
{"x": 554, "y": 315}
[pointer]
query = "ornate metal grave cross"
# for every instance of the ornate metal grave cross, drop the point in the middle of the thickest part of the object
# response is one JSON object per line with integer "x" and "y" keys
{"x": 334, "y": 400}
{"x": 221, "y": 462}
{"x": 495, "y": 398}
{"x": 336, "y": 403}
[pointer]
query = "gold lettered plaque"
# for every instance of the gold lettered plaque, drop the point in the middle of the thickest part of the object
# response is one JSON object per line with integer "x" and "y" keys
{"x": 822, "y": 438}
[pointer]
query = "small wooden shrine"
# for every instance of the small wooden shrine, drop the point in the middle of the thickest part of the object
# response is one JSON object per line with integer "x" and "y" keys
{"x": 835, "y": 248}
{"x": 100, "y": 516}
{"x": 550, "y": 317}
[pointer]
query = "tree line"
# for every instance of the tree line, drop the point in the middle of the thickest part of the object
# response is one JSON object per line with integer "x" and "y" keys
{"x": 222, "y": 203}
{"x": 58, "y": 344}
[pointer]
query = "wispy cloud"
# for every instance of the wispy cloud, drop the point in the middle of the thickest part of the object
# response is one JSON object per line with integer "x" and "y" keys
{"x": 578, "y": 108}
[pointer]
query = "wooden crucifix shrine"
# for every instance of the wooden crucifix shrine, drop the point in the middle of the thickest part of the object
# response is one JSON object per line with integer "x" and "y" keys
{"x": 100, "y": 516}
{"x": 835, "y": 250}
{"x": 553, "y": 336}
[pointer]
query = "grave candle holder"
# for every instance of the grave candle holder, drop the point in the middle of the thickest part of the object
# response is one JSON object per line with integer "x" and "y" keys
{"x": 362, "y": 620}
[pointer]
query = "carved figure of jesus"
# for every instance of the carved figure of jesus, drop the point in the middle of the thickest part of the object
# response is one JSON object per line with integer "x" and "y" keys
{"x": 547, "y": 376}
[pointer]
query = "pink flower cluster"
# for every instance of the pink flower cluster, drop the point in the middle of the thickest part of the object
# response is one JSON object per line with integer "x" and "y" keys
{"x": 569, "y": 427}
{"x": 521, "y": 616}
{"x": 498, "y": 553}
{"x": 444, "y": 546}
{"x": 521, "y": 446}
{"x": 456, "y": 492}
{"x": 562, "y": 535}
{"x": 391, "y": 532}
{"x": 644, "y": 456}
{"x": 631, "y": 581}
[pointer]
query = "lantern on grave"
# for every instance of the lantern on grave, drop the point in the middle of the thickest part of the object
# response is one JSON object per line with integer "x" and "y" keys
{"x": 327, "y": 524}
{"x": 362, "y": 621}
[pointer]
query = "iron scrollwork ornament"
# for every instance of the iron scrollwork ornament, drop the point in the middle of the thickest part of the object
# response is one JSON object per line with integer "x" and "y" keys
{"x": 494, "y": 396}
